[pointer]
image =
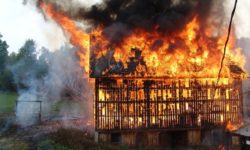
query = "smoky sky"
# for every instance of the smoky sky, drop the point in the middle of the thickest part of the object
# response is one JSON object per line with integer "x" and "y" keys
{"x": 163, "y": 15}
{"x": 120, "y": 17}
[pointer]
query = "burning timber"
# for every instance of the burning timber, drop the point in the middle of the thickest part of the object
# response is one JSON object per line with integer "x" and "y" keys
{"x": 139, "y": 95}
{"x": 134, "y": 100}
{"x": 166, "y": 104}
{"x": 162, "y": 104}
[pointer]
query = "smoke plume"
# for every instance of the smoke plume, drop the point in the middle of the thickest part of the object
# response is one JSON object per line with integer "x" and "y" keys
{"x": 61, "y": 87}
{"x": 121, "y": 17}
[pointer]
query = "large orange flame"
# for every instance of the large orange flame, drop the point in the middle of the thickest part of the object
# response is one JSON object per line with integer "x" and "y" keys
{"x": 76, "y": 36}
{"x": 188, "y": 53}
{"x": 191, "y": 52}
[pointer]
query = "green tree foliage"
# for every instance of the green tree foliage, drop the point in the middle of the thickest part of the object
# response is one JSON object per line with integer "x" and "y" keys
{"x": 17, "y": 70}
{"x": 27, "y": 53}
{"x": 27, "y": 66}
{"x": 3, "y": 54}
{"x": 24, "y": 65}
{"x": 6, "y": 78}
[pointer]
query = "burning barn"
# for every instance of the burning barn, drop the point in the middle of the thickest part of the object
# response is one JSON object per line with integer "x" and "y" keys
{"x": 157, "y": 94}
{"x": 156, "y": 89}
{"x": 127, "y": 108}
{"x": 156, "y": 105}
{"x": 158, "y": 70}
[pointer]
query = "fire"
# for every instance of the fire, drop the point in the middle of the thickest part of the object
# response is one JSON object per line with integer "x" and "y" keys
{"x": 232, "y": 127}
{"x": 187, "y": 93}
{"x": 167, "y": 103}
{"x": 191, "y": 52}
{"x": 103, "y": 96}
{"x": 76, "y": 36}
{"x": 221, "y": 147}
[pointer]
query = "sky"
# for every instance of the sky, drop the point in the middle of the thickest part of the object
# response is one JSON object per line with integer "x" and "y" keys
{"x": 21, "y": 22}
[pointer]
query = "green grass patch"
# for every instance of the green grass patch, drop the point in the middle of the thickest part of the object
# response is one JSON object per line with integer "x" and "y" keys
{"x": 7, "y": 103}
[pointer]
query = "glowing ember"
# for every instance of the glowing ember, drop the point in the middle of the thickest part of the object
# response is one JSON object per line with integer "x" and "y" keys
{"x": 221, "y": 147}
{"x": 232, "y": 127}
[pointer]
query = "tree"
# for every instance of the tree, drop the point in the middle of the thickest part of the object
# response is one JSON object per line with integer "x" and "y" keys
{"x": 27, "y": 52}
{"x": 24, "y": 64}
{"x": 27, "y": 66}
{"x": 3, "y": 54}
{"x": 6, "y": 78}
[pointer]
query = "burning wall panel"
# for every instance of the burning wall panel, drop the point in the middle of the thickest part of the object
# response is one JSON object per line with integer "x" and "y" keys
{"x": 123, "y": 104}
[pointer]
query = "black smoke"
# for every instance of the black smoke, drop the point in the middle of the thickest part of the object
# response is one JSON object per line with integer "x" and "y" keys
{"x": 119, "y": 18}
{"x": 164, "y": 16}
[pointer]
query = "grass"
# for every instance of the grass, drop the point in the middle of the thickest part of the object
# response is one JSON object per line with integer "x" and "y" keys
{"x": 50, "y": 144}
{"x": 7, "y": 103}
{"x": 74, "y": 139}
{"x": 13, "y": 144}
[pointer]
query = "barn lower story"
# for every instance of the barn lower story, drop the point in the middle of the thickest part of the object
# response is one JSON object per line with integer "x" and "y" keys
{"x": 216, "y": 138}
{"x": 151, "y": 138}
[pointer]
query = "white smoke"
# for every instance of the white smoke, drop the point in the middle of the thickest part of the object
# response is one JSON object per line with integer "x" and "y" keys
{"x": 63, "y": 83}
{"x": 241, "y": 18}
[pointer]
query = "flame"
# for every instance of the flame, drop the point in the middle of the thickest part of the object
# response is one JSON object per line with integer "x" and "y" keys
{"x": 76, "y": 36}
{"x": 191, "y": 52}
{"x": 188, "y": 53}
{"x": 102, "y": 95}
{"x": 232, "y": 127}
{"x": 221, "y": 147}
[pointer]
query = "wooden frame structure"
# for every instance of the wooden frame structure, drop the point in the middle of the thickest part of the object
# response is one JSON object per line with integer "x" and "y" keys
{"x": 132, "y": 104}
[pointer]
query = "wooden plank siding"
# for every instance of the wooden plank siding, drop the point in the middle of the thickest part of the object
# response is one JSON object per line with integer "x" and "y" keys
{"x": 139, "y": 104}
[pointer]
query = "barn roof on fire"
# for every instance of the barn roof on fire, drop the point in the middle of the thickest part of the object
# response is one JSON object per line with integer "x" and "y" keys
{"x": 236, "y": 69}
{"x": 106, "y": 66}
